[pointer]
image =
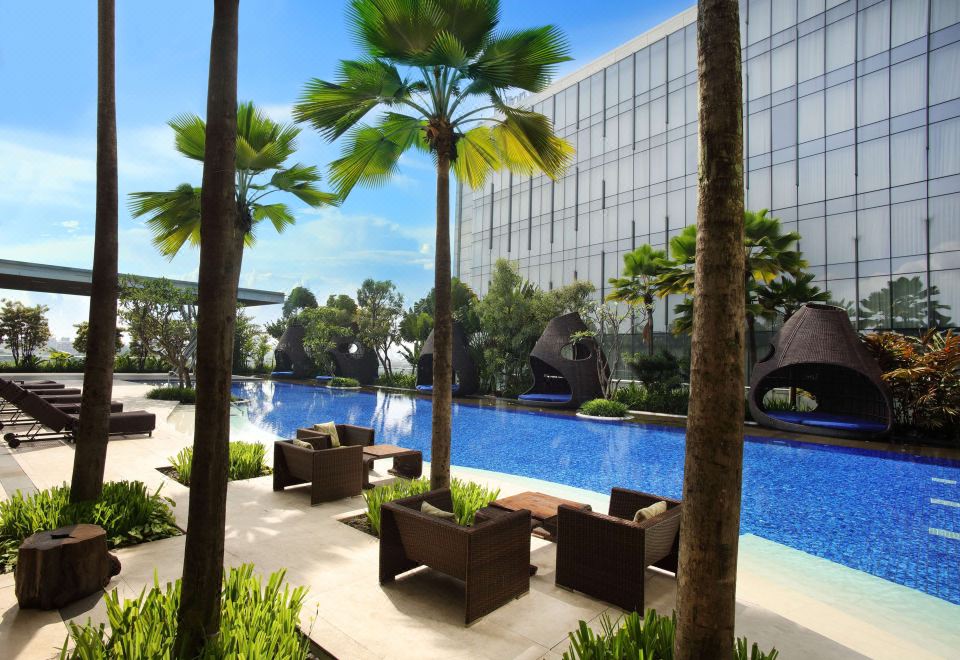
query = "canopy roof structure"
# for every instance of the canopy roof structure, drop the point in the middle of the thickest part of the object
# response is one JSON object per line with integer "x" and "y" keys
{"x": 25, "y": 276}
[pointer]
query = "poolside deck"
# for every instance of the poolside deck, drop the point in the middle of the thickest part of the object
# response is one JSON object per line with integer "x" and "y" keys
{"x": 805, "y": 606}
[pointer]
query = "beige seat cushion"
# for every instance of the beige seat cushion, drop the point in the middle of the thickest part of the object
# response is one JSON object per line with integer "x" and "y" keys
{"x": 648, "y": 512}
{"x": 303, "y": 443}
{"x": 330, "y": 428}
{"x": 430, "y": 510}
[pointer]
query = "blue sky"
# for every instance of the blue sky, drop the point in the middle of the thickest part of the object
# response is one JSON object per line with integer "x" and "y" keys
{"x": 48, "y": 121}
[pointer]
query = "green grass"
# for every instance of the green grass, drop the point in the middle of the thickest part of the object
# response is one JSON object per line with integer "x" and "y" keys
{"x": 340, "y": 381}
{"x": 128, "y": 512}
{"x": 247, "y": 460}
{"x": 603, "y": 408}
{"x": 173, "y": 393}
{"x": 256, "y": 621}
{"x": 468, "y": 498}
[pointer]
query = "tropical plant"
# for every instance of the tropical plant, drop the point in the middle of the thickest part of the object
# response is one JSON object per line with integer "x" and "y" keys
{"x": 603, "y": 408}
{"x": 128, "y": 512}
{"x": 173, "y": 393}
{"x": 783, "y": 297}
{"x": 655, "y": 371}
{"x": 342, "y": 381}
{"x": 398, "y": 379}
{"x": 669, "y": 400}
{"x": 640, "y": 284}
{"x": 378, "y": 495}
{"x": 245, "y": 334}
{"x": 415, "y": 327}
{"x": 468, "y": 498}
{"x": 58, "y": 360}
{"x": 924, "y": 377}
{"x": 380, "y": 309}
{"x": 256, "y": 621}
{"x": 24, "y": 329}
{"x": 439, "y": 71}
{"x": 261, "y": 347}
{"x": 299, "y": 298}
{"x": 247, "y": 461}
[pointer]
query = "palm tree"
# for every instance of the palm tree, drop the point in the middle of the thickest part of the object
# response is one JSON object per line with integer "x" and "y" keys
{"x": 433, "y": 77}
{"x": 640, "y": 284}
{"x": 91, "y": 454}
{"x": 783, "y": 297}
{"x": 225, "y": 231}
{"x": 263, "y": 147}
{"x": 713, "y": 467}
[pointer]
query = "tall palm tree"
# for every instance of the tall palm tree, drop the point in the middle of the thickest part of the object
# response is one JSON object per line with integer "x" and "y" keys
{"x": 91, "y": 454}
{"x": 713, "y": 466}
{"x": 433, "y": 77}
{"x": 783, "y": 297}
{"x": 640, "y": 284}
{"x": 263, "y": 147}
{"x": 223, "y": 232}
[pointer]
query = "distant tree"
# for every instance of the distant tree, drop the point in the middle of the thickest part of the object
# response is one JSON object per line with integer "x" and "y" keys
{"x": 574, "y": 297}
{"x": 79, "y": 342}
{"x": 24, "y": 329}
{"x": 640, "y": 284}
{"x": 245, "y": 334}
{"x": 300, "y": 298}
{"x": 323, "y": 326}
{"x": 378, "y": 318}
{"x": 261, "y": 348}
{"x": 605, "y": 320}
{"x": 342, "y": 302}
{"x": 276, "y": 328}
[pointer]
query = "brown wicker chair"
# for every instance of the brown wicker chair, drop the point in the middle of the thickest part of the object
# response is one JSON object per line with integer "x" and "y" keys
{"x": 605, "y": 556}
{"x": 333, "y": 472}
{"x": 492, "y": 557}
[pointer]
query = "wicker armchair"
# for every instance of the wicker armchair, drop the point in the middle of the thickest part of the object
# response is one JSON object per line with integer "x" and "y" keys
{"x": 605, "y": 556}
{"x": 492, "y": 557}
{"x": 332, "y": 473}
{"x": 350, "y": 436}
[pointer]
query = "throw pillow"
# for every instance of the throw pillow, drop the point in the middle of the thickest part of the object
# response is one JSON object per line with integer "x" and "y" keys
{"x": 315, "y": 438}
{"x": 303, "y": 443}
{"x": 330, "y": 428}
{"x": 430, "y": 510}
{"x": 648, "y": 512}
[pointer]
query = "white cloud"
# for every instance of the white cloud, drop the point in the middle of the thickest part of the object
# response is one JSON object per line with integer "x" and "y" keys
{"x": 425, "y": 248}
{"x": 70, "y": 225}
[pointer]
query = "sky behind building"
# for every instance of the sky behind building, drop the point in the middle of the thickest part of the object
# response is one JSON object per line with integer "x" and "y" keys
{"x": 48, "y": 149}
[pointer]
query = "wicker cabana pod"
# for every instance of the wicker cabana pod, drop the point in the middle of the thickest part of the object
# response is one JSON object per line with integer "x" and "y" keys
{"x": 351, "y": 359}
{"x": 817, "y": 350}
{"x": 466, "y": 377}
{"x": 564, "y": 372}
{"x": 290, "y": 358}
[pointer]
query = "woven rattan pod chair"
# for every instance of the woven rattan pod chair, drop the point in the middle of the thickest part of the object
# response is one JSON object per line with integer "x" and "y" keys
{"x": 290, "y": 358}
{"x": 466, "y": 376}
{"x": 351, "y": 359}
{"x": 817, "y": 350}
{"x": 564, "y": 372}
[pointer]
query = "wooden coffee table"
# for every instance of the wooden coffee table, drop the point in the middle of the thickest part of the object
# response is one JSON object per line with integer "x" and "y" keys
{"x": 543, "y": 510}
{"x": 407, "y": 463}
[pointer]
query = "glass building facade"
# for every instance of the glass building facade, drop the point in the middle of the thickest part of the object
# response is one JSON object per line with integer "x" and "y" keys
{"x": 851, "y": 138}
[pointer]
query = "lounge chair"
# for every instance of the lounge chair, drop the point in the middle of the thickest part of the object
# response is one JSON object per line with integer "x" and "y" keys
{"x": 605, "y": 556}
{"x": 332, "y": 472}
{"x": 492, "y": 557}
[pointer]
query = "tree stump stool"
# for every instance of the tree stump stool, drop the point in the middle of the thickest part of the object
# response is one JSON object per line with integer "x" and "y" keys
{"x": 58, "y": 567}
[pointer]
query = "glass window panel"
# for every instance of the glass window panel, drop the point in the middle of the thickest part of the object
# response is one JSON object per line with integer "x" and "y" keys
{"x": 675, "y": 55}
{"x": 943, "y": 13}
{"x": 759, "y": 16}
{"x": 841, "y": 232}
{"x": 643, "y": 71}
{"x": 945, "y": 73}
{"x": 612, "y": 90}
{"x": 908, "y": 228}
{"x": 658, "y": 213}
{"x": 596, "y": 93}
{"x": 874, "y": 35}
{"x": 583, "y": 145}
{"x": 583, "y": 99}
{"x": 658, "y": 164}
{"x": 841, "y": 40}
{"x": 874, "y": 97}
{"x": 810, "y": 55}
{"x": 784, "y": 68}
{"x": 642, "y": 122}
{"x": 945, "y": 149}
{"x": 560, "y": 111}
{"x": 690, "y": 54}
{"x": 676, "y": 159}
{"x": 641, "y": 169}
{"x": 571, "y": 95}
{"x": 658, "y": 115}
{"x": 784, "y": 185}
{"x": 944, "y": 228}
{"x": 626, "y": 174}
{"x": 948, "y": 299}
{"x": 784, "y": 15}
{"x": 873, "y": 165}
{"x": 811, "y": 179}
{"x": 843, "y": 293}
{"x": 658, "y": 63}
{"x": 759, "y": 133}
{"x": 625, "y": 79}
{"x": 909, "y": 21}
{"x": 908, "y": 86}
{"x": 873, "y": 229}
{"x": 692, "y": 103}
{"x": 874, "y": 303}
{"x": 691, "y": 154}
{"x": 840, "y": 173}
{"x": 840, "y": 108}
{"x": 675, "y": 111}
{"x": 908, "y": 157}
{"x": 625, "y": 129}
{"x": 808, "y": 8}
{"x": 784, "y": 126}
{"x": 810, "y": 115}
{"x": 758, "y": 195}
{"x": 812, "y": 241}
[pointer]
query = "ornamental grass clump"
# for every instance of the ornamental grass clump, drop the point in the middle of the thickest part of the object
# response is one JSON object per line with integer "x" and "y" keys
{"x": 173, "y": 393}
{"x": 247, "y": 461}
{"x": 603, "y": 408}
{"x": 128, "y": 512}
{"x": 256, "y": 621}
{"x": 468, "y": 498}
{"x": 341, "y": 381}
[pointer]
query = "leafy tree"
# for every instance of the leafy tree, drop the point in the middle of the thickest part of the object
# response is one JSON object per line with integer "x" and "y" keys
{"x": 161, "y": 317}
{"x": 24, "y": 329}
{"x": 261, "y": 347}
{"x": 783, "y": 297}
{"x": 414, "y": 330}
{"x": 323, "y": 326}
{"x": 276, "y": 328}
{"x": 640, "y": 284}
{"x": 434, "y": 76}
{"x": 606, "y": 321}
{"x": 262, "y": 149}
{"x": 378, "y": 318}
{"x": 574, "y": 297}
{"x": 342, "y": 302}
{"x": 79, "y": 342}
{"x": 903, "y": 304}
{"x": 244, "y": 340}
{"x": 300, "y": 298}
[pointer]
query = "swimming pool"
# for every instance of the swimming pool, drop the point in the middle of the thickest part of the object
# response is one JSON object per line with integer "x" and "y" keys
{"x": 896, "y": 517}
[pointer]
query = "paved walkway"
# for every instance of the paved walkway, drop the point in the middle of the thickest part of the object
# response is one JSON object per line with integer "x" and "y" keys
{"x": 782, "y": 601}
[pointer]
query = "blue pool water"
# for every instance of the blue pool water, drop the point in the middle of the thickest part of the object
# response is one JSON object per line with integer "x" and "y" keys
{"x": 885, "y": 514}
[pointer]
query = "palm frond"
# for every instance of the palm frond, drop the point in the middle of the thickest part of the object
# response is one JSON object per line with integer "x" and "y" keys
{"x": 527, "y": 144}
{"x": 190, "y": 135}
{"x": 278, "y": 214}
{"x": 368, "y": 157}
{"x": 524, "y": 58}
{"x": 172, "y": 217}
{"x": 406, "y": 131}
{"x": 301, "y": 180}
{"x": 477, "y": 156}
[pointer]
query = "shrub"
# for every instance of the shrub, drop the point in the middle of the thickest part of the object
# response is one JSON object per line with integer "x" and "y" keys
{"x": 256, "y": 621}
{"x": 636, "y": 397}
{"x": 656, "y": 371}
{"x": 128, "y": 512}
{"x": 603, "y": 408}
{"x": 173, "y": 393}
{"x": 340, "y": 381}
{"x": 468, "y": 498}
{"x": 651, "y": 638}
{"x": 247, "y": 460}
{"x": 404, "y": 380}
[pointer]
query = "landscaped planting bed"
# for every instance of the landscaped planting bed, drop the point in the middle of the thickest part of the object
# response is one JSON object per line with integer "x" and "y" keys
{"x": 247, "y": 461}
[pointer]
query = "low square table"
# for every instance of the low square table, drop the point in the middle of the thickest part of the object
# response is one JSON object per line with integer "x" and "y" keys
{"x": 543, "y": 510}
{"x": 407, "y": 463}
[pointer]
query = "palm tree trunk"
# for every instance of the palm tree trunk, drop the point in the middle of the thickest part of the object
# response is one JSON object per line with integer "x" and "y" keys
{"x": 221, "y": 250}
{"x": 442, "y": 328}
{"x": 91, "y": 454}
{"x": 710, "y": 528}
